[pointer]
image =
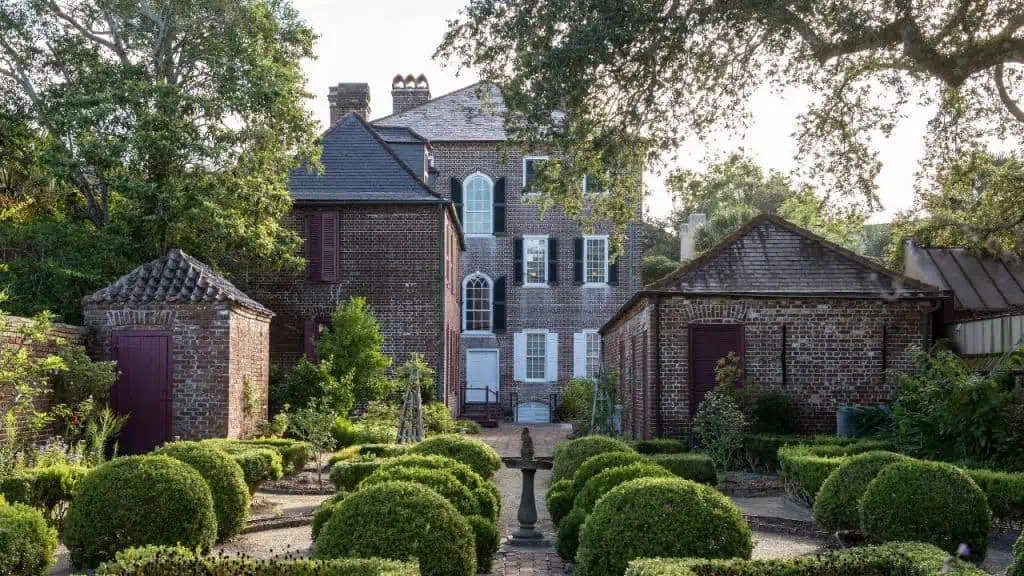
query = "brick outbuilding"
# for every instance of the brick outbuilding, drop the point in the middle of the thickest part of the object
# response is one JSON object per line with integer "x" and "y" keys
{"x": 807, "y": 318}
{"x": 193, "y": 352}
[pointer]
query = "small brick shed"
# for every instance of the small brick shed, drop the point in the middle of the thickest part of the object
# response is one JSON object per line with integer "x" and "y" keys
{"x": 807, "y": 318}
{"x": 193, "y": 352}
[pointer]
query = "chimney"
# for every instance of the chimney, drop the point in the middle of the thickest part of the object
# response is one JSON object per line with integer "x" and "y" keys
{"x": 688, "y": 235}
{"x": 408, "y": 92}
{"x": 349, "y": 97}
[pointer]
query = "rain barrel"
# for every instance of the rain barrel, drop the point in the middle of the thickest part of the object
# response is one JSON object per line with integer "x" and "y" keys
{"x": 846, "y": 421}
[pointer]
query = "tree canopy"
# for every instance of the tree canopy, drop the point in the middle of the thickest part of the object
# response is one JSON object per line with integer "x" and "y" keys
{"x": 616, "y": 83}
{"x": 155, "y": 124}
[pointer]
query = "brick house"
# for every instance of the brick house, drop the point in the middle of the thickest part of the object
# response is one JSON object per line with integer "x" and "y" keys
{"x": 807, "y": 318}
{"x": 534, "y": 292}
{"x": 192, "y": 351}
{"x": 372, "y": 226}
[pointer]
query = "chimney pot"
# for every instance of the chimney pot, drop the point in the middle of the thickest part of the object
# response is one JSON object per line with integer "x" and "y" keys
{"x": 409, "y": 92}
{"x": 349, "y": 97}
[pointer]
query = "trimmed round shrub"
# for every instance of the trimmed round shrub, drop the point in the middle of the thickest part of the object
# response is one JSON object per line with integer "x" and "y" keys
{"x": 660, "y": 517}
{"x": 697, "y": 467}
{"x": 400, "y": 520}
{"x": 226, "y": 481}
{"x": 604, "y": 482}
{"x": 659, "y": 446}
{"x": 325, "y": 511}
{"x": 567, "y": 540}
{"x": 132, "y": 560}
{"x": 437, "y": 480}
{"x": 569, "y": 456}
{"x": 835, "y": 508}
{"x": 363, "y": 450}
{"x": 597, "y": 464}
{"x": 486, "y": 539}
{"x": 27, "y": 543}
{"x": 259, "y": 465}
{"x": 137, "y": 501}
{"x": 347, "y": 475}
{"x": 1017, "y": 565}
{"x": 486, "y": 492}
{"x": 929, "y": 502}
{"x": 470, "y": 451}
{"x": 559, "y": 500}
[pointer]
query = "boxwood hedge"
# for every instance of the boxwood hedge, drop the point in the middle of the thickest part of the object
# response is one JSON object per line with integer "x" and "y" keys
{"x": 358, "y": 451}
{"x": 27, "y": 543}
{"x": 347, "y": 475}
{"x": 660, "y": 517}
{"x": 804, "y": 468}
{"x": 931, "y": 502}
{"x": 570, "y": 455}
{"x": 138, "y": 501}
{"x": 439, "y": 481}
{"x": 259, "y": 465}
{"x": 226, "y": 481}
{"x": 762, "y": 450}
{"x": 176, "y": 561}
{"x": 486, "y": 539}
{"x": 659, "y": 446}
{"x": 325, "y": 511}
{"x": 46, "y": 487}
{"x": 604, "y": 482}
{"x": 400, "y": 520}
{"x": 597, "y": 464}
{"x": 486, "y": 492}
{"x": 1017, "y": 564}
{"x": 696, "y": 467}
{"x": 470, "y": 451}
{"x": 559, "y": 500}
{"x": 567, "y": 540}
{"x": 836, "y": 507}
{"x": 904, "y": 559}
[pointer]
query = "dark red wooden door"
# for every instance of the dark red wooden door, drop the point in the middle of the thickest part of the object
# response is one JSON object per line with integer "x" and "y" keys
{"x": 707, "y": 345}
{"x": 143, "y": 390}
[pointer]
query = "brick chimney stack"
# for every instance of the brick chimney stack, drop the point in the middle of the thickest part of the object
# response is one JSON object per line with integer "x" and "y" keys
{"x": 349, "y": 97}
{"x": 409, "y": 92}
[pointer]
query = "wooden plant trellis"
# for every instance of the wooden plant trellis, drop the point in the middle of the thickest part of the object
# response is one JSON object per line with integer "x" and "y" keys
{"x": 410, "y": 423}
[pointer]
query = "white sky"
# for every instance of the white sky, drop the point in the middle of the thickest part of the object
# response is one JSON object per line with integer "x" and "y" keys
{"x": 371, "y": 41}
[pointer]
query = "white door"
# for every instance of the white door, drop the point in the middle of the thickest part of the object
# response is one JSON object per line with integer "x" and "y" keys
{"x": 481, "y": 371}
{"x": 533, "y": 413}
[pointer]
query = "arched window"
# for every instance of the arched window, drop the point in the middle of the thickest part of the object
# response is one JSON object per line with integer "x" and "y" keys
{"x": 476, "y": 308}
{"x": 479, "y": 203}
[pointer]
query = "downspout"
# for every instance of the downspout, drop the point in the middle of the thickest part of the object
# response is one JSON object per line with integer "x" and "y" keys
{"x": 443, "y": 356}
{"x": 655, "y": 322}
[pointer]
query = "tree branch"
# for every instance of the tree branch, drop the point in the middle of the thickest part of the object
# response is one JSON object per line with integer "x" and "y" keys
{"x": 57, "y": 11}
{"x": 1004, "y": 96}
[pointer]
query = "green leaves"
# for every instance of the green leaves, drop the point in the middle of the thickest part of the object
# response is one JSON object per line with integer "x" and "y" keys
{"x": 353, "y": 344}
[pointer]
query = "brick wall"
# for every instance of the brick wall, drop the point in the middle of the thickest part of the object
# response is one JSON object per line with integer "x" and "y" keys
{"x": 249, "y": 350}
{"x": 60, "y": 335}
{"x": 205, "y": 400}
{"x": 565, "y": 308}
{"x": 390, "y": 254}
{"x": 450, "y": 386}
{"x": 834, "y": 351}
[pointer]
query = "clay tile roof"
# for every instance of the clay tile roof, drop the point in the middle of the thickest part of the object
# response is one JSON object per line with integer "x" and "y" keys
{"x": 176, "y": 278}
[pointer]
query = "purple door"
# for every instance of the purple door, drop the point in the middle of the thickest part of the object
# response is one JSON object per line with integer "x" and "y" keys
{"x": 143, "y": 390}
{"x": 707, "y": 345}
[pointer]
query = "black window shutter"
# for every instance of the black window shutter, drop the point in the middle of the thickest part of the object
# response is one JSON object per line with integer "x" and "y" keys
{"x": 613, "y": 272}
{"x": 517, "y": 261}
{"x": 577, "y": 260}
{"x": 499, "y": 304}
{"x": 456, "y": 189}
{"x": 499, "y": 206}
{"x": 552, "y": 260}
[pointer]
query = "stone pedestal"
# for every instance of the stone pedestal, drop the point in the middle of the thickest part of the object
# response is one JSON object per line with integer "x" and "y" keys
{"x": 527, "y": 534}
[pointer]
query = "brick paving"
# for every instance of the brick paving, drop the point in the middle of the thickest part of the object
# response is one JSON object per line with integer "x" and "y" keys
{"x": 512, "y": 561}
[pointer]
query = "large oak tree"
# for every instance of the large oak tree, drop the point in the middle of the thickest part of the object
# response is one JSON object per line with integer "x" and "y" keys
{"x": 633, "y": 79}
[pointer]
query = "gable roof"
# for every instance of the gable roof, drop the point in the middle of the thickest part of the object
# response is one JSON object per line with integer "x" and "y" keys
{"x": 175, "y": 278}
{"x": 977, "y": 283}
{"x": 358, "y": 166}
{"x": 459, "y": 116}
{"x": 770, "y": 256}
{"x": 399, "y": 135}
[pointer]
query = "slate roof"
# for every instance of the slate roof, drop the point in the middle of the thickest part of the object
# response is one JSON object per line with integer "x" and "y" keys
{"x": 358, "y": 166}
{"x": 459, "y": 116}
{"x": 771, "y": 256}
{"x": 399, "y": 135}
{"x": 977, "y": 283}
{"x": 176, "y": 278}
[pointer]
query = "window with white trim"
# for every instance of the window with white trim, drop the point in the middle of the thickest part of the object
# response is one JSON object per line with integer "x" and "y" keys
{"x": 535, "y": 260}
{"x": 530, "y": 166}
{"x": 595, "y": 259}
{"x": 593, "y": 354}
{"x": 536, "y": 355}
{"x": 479, "y": 205}
{"x": 477, "y": 310}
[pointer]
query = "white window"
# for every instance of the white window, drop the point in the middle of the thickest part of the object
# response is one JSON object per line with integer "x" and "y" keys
{"x": 595, "y": 259}
{"x": 477, "y": 303}
{"x": 593, "y": 354}
{"x": 535, "y": 260}
{"x": 530, "y": 166}
{"x": 536, "y": 357}
{"x": 479, "y": 191}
